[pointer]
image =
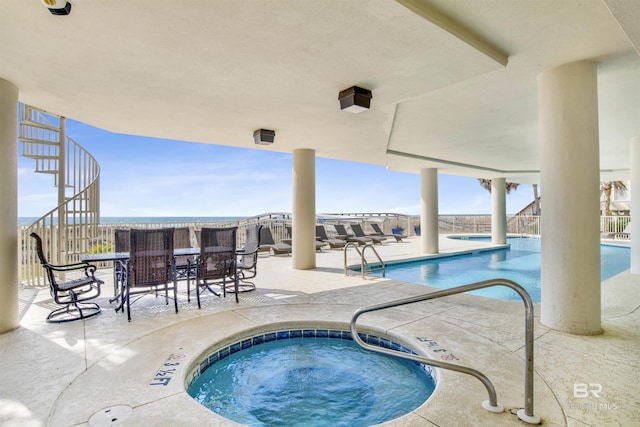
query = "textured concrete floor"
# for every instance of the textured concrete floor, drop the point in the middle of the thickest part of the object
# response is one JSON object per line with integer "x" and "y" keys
{"x": 98, "y": 371}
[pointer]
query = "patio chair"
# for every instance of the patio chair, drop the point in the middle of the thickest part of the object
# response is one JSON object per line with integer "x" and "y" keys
{"x": 342, "y": 233}
{"x": 267, "y": 243}
{"x": 73, "y": 295}
{"x": 248, "y": 260}
{"x": 151, "y": 266}
{"x": 184, "y": 264}
{"x": 321, "y": 234}
{"x": 121, "y": 240}
{"x": 359, "y": 232}
{"x": 379, "y": 232}
{"x": 217, "y": 261}
{"x": 319, "y": 243}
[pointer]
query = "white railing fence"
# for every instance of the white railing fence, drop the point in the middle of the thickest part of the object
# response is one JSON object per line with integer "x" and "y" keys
{"x": 103, "y": 240}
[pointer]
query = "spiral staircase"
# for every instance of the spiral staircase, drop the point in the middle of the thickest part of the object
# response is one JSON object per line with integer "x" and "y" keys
{"x": 68, "y": 229}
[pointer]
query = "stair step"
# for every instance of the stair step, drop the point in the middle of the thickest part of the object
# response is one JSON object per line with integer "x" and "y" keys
{"x": 40, "y": 157}
{"x": 40, "y": 125}
{"x": 38, "y": 141}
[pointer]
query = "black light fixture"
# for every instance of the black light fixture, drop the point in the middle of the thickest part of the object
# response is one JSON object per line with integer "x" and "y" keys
{"x": 264, "y": 136}
{"x": 58, "y": 7}
{"x": 355, "y": 99}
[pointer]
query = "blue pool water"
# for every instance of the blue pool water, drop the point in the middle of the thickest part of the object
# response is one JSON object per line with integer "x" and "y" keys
{"x": 313, "y": 383}
{"x": 520, "y": 263}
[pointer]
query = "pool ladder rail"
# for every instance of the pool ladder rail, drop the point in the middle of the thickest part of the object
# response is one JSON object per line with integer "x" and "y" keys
{"x": 364, "y": 265}
{"x": 525, "y": 414}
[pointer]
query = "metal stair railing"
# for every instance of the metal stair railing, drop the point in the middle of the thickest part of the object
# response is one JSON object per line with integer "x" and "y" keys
{"x": 69, "y": 229}
{"x": 363, "y": 262}
{"x": 525, "y": 414}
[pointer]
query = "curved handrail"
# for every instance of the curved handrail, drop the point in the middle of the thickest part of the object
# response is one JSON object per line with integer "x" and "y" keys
{"x": 369, "y": 245}
{"x": 76, "y": 219}
{"x": 492, "y": 404}
{"x": 363, "y": 261}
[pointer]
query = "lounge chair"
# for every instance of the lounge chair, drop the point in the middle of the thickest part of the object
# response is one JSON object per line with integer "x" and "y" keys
{"x": 321, "y": 234}
{"x": 379, "y": 232}
{"x": 267, "y": 243}
{"x": 342, "y": 233}
{"x": 359, "y": 232}
{"x": 319, "y": 244}
{"x": 73, "y": 294}
{"x": 151, "y": 266}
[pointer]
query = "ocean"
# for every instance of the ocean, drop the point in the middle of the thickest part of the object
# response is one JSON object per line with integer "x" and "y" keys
{"x": 28, "y": 220}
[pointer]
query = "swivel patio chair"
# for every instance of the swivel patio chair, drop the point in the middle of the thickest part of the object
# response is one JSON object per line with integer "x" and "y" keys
{"x": 72, "y": 294}
{"x": 217, "y": 261}
{"x": 342, "y": 233}
{"x": 267, "y": 243}
{"x": 321, "y": 234}
{"x": 379, "y": 232}
{"x": 248, "y": 260}
{"x": 359, "y": 232}
{"x": 151, "y": 267}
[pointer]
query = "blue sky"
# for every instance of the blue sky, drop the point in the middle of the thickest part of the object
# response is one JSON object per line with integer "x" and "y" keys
{"x": 143, "y": 176}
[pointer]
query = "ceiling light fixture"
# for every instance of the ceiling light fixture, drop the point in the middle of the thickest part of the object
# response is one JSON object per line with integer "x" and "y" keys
{"x": 264, "y": 136}
{"x": 355, "y": 99}
{"x": 58, "y": 7}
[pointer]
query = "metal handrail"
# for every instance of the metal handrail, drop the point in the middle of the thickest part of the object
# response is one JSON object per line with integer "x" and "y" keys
{"x": 492, "y": 405}
{"x": 363, "y": 261}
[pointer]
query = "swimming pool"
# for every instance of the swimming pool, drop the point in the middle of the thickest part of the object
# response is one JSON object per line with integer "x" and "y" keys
{"x": 520, "y": 263}
{"x": 309, "y": 377}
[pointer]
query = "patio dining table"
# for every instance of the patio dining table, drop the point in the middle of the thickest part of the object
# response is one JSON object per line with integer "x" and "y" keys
{"x": 123, "y": 257}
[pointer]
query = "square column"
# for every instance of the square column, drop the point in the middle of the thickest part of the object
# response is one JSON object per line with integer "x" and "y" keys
{"x": 570, "y": 177}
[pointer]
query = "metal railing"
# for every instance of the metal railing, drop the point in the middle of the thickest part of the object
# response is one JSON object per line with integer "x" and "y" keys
{"x": 492, "y": 405}
{"x": 364, "y": 265}
{"x": 68, "y": 229}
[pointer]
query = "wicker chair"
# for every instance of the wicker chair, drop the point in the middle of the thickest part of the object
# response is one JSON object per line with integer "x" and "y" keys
{"x": 182, "y": 239}
{"x": 121, "y": 239}
{"x": 217, "y": 261}
{"x": 378, "y": 232}
{"x": 73, "y": 294}
{"x": 319, "y": 243}
{"x": 151, "y": 266}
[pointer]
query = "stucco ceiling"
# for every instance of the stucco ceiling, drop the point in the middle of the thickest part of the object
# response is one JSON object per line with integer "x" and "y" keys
{"x": 214, "y": 71}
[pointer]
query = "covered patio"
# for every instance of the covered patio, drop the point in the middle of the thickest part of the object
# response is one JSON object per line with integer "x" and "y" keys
{"x": 90, "y": 372}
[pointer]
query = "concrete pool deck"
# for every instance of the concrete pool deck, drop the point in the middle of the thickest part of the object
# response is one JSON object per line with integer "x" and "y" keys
{"x": 99, "y": 371}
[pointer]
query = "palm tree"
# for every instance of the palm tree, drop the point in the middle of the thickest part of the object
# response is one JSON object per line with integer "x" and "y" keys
{"x": 605, "y": 189}
{"x": 486, "y": 184}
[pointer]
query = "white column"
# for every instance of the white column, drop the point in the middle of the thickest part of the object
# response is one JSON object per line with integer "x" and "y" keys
{"x": 304, "y": 209}
{"x": 634, "y": 161}
{"x": 9, "y": 318}
{"x": 570, "y": 176}
{"x": 498, "y": 211}
{"x": 429, "y": 238}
